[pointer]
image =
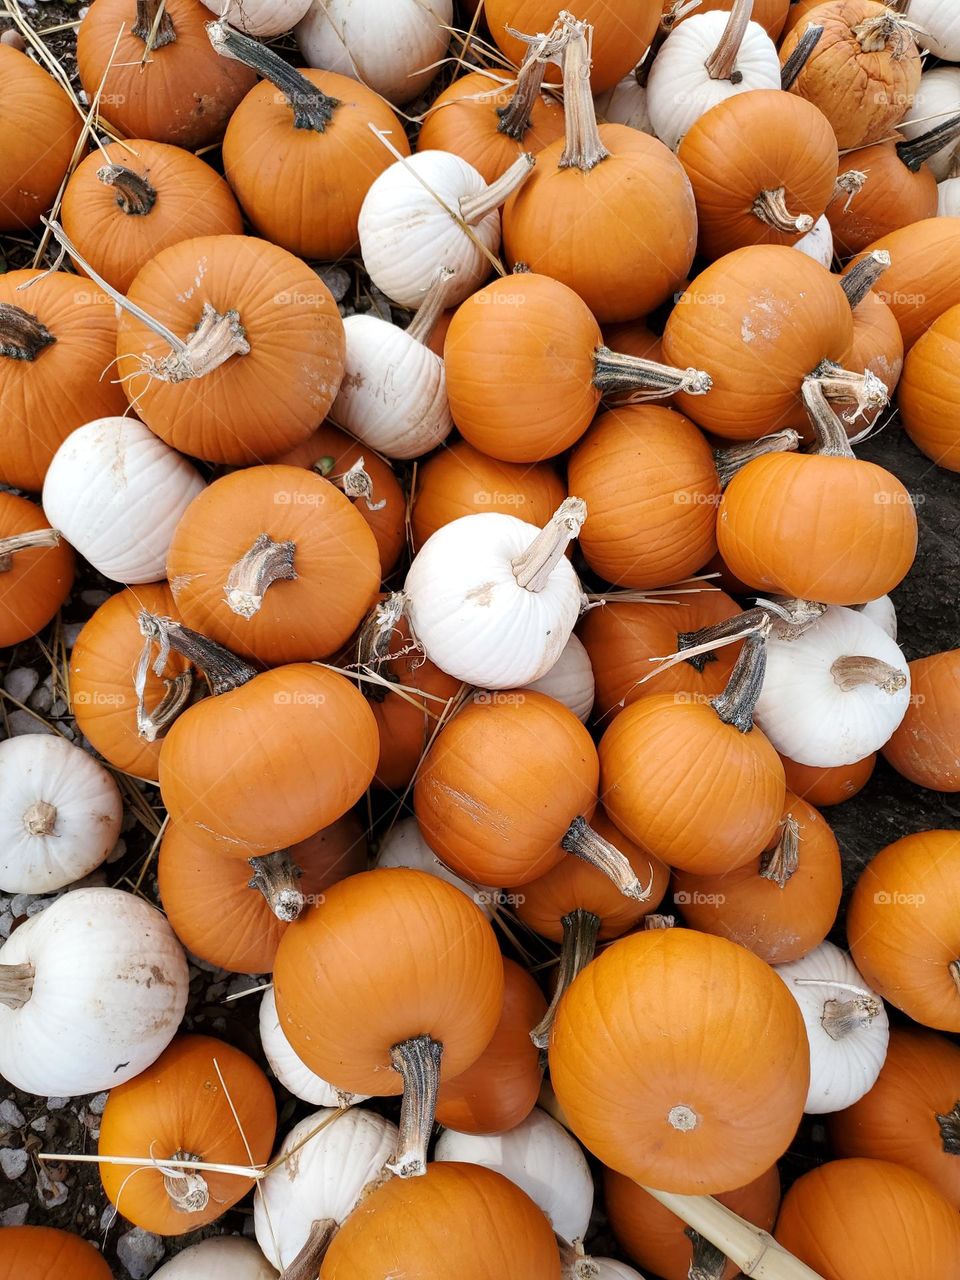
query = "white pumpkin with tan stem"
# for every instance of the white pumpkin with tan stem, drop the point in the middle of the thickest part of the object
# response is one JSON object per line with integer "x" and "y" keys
{"x": 290, "y": 1069}
{"x": 60, "y": 814}
{"x": 219, "y": 1258}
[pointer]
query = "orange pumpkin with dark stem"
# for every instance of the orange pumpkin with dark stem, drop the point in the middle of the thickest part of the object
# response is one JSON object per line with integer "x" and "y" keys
{"x": 36, "y": 1253}
{"x": 926, "y": 746}
{"x": 916, "y": 286}
{"x": 202, "y": 1100}
{"x": 126, "y": 202}
{"x": 640, "y": 1061}
{"x": 824, "y": 787}
{"x": 898, "y": 189}
{"x": 903, "y": 926}
{"x": 36, "y": 570}
{"x": 929, "y": 390}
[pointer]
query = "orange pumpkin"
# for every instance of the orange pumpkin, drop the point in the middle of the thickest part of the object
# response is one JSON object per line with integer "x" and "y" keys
{"x": 36, "y": 1253}
{"x": 771, "y": 15}
{"x": 779, "y": 906}
{"x": 635, "y": 1064}
{"x": 202, "y": 1100}
{"x": 899, "y": 189}
{"x": 824, "y": 787}
{"x": 926, "y": 746}
{"x": 877, "y": 345}
{"x": 40, "y": 128}
{"x": 125, "y": 203}
{"x": 916, "y": 286}
{"x": 799, "y": 14}
{"x": 36, "y": 570}
{"x": 929, "y": 390}
{"x": 911, "y": 1116}
{"x": 903, "y": 926}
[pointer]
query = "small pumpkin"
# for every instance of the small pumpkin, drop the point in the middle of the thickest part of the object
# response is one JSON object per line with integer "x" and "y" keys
{"x": 404, "y": 846}
{"x": 824, "y": 787}
{"x": 915, "y": 287}
{"x": 290, "y": 1069}
{"x": 570, "y": 680}
{"x": 36, "y": 570}
{"x": 936, "y": 100}
{"x": 877, "y": 343}
{"x": 928, "y": 392}
{"x": 33, "y": 1253}
{"x": 925, "y": 748}
{"x": 261, "y": 18}
{"x": 770, "y": 14}
{"x": 219, "y": 1258}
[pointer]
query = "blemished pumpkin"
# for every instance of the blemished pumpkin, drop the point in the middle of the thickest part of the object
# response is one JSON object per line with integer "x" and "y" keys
{"x": 201, "y": 1101}
{"x": 902, "y": 927}
{"x": 652, "y": 1009}
{"x": 916, "y": 286}
{"x": 40, "y": 127}
{"x": 36, "y": 570}
{"x": 164, "y": 83}
{"x": 929, "y": 391}
{"x": 926, "y": 746}
{"x": 34, "y": 1253}
{"x": 56, "y": 339}
{"x": 126, "y": 202}
{"x": 825, "y": 787}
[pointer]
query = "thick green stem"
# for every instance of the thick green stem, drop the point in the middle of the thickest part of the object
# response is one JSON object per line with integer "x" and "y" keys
{"x": 418, "y": 1062}
{"x": 311, "y": 108}
{"x": 580, "y": 931}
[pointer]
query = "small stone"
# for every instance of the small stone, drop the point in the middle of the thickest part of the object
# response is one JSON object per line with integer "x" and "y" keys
{"x": 59, "y": 708}
{"x": 13, "y": 1162}
{"x": 52, "y": 1189}
{"x": 242, "y": 982}
{"x": 10, "y": 1114}
{"x": 97, "y": 1103}
{"x": 216, "y": 992}
{"x": 41, "y": 699}
{"x": 22, "y": 722}
{"x": 118, "y": 851}
{"x": 6, "y": 924}
{"x": 20, "y": 903}
{"x": 40, "y": 1124}
{"x": 56, "y": 1104}
{"x": 140, "y": 1251}
{"x": 21, "y": 682}
{"x": 381, "y": 304}
{"x": 72, "y": 629}
{"x": 38, "y": 905}
{"x": 337, "y": 281}
{"x": 94, "y": 598}
{"x": 16, "y": 41}
{"x": 15, "y": 1216}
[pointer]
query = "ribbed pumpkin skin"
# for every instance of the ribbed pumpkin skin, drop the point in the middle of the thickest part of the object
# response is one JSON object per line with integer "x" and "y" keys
{"x": 265, "y": 157}
{"x": 903, "y": 926}
{"x": 877, "y": 344}
{"x": 897, "y": 1119}
{"x": 838, "y": 530}
{"x": 39, "y": 578}
{"x": 926, "y": 746}
{"x": 759, "y": 320}
{"x": 862, "y": 93}
{"x": 36, "y": 1253}
{"x": 519, "y": 368}
{"x": 409, "y": 950}
{"x": 650, "y": 483}
{"x": 460, "y": 481}
{"x": 622, "y": 236}
{"x": 245, "y": 780}
{"x": 696, "y": 792}
{"x": 102, "y": 666}
{"x": 487, "y": 805}
{"x": 459, "y": 1220}
{"x": 892, "y": 197}
{"x": 500, "y": 1090}
{"x": 640, "y": 1032}
{"x": 220, "y": 918}
{"x": 778, "y": 925}
{"x": 851, "y": 1212}
{"x": 255, "y": 405}
{"x": 771, "y": 15}
{"x": 798, "y": 13}
{"x": 192, "y": 200}
{"x": 464, "y": 120}
{"x": 43, "y": 400}
{"x": 654, "y": 1237}
{"x": 180, "y": 1104}
{"x": 823, "y": 787}
{"x": 621, "y": 638}
{"x": 750, "y": 143}
{"x": 930, "y": 392}
{"x": 917, "y": 286}
{"x": 40, "y": 128}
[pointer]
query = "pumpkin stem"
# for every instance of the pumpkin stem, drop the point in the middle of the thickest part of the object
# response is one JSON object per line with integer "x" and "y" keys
{"x": 850, "y": 671}
{"x": 16, "y": 984}
{"x": 265, "y": 563}
{"x": 801, "y": 55}
{"x": 736, "y": 704}
{"x": 154, "y": 26}
{"x": 311, "y": 108}
{"x": 514, "y": 118}
{"x": 729, "y": 629}
{"x": 474, "y": 209}
{"x": 863, "y": 275}
{"x": 733, "y": 459}
{"x": 418, "y": 1062}
{"x": 357, "y": 483}
{"x": 306, "y": 1264}
{"x": 276, "y": 876}
{"x": 583, "y": 148}
{"x": 832, "y": 438}
{"x": 22, "y": 335}
{"x": 224, "y": 670}
{"x": 842, "y": 1017}
{"x": 151, "y": 724}
{"x": 188, "y": 1191}
{"x": 376, "y": 630}
{"x": 706, "y": 1261}
{"x": 950, "y": 1130}
{"x": 721, "y": 65}
{"x": 216, "y": 338}
{"x": 888, "y": 28}
{"x": 655, "y": 920}
{"x": 615, "y": 372}
{"x": 588, "y": 845}
{"x": 915, "y": 153}
{"x": 781, "y": 862}
{"x": 771, "y": 207}
{"x": 434, "y": 302}
{"x": 40, "y": 819}
{"x": 533, "y": 568}
{"x": 791, "y": 618}
{"x": 580, "y": 931}
{"x": 668, "y": 23}
{"x": 135, "y": 195}
{"x": 9, "y": 547}
{"x": 850, "y": 184}
{"x": 954, "y": 968}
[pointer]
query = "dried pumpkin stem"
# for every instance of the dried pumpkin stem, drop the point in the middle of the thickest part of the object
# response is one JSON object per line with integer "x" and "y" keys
{"x": 224, "y": 670}
{"x": 217, "y": 337}
{"x": 153, "y": 724}
{"x": 580, "y": 932}
{"x": 729, "y": 629}
{"x": 418, "y": 1062}
{"x": 832, "y": 439}
{"x": 311, "y": 108}
{"x": 430, "y": 309}
{"x": 615, "y": 372}
{"x": 850, "y": 184}
{"x": 949, "y": 1126}
{"x": 801, "y": 55}
{"x": 533, "y": 568}
{"x": 22, "y": 335}
{"x": 888, "y": 28}
{"x": 655, "y": 920}
{"x": 865, "y": 390}
{"x": 248, "y": 581}
{"x": 851, "y": 671}
{"x": 916, "y": 152}
{"x": 514, "y": 119}
{"x": 842, "y": 1018}
{"x": 474, "y": 209}
{"x": 583, "y": 842}
{"x": 583, "y": 148}
{"x": 736, "y": 704}
{"x": 306, "y": 1264}
{"x": 771, "y": 208}
{"x": 276, "y": 876}
{"x": 954, "y": 968}
{"x": 377, "y": 628}
{"x": 135, "y": 195}
{"x": 32, "y": 541}
{"x": 356, "y": 482}
{"x": 153, "y": 32}
{"x": 16, "y": 984}
{"x": 706, "y": 1261}
{"x": 861, "y": 277}
{"x": 733, "y": 459}
{"x": 721, "y": 65}
{"x": 40, "y": 819}
{"x": 188, "y": 1192}
{"x": 780, "y": 863}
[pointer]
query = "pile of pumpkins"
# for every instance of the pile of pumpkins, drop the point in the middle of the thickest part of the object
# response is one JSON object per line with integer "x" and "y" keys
{"x": 573, "y": 581}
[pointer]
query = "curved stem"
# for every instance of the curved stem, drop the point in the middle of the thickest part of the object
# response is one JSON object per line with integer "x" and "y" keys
{"x": 418, "y": 1062}
{"x": 850, "y": 184}
{"x": 153, "y": 26}
{"x": 276, "y": 876}
{"x": 474, "y": 209}
{"x": 311, "y": 108}
{"x": 861, "y": 277}
{"x": 954, "y": 968}
{"x": 801, "y": 55}
{"x": 949, "y": 1126}
{"x": 832, "y": 439}
{"x": 376, "y": 630}
{"x": 736, "y": 704}
{"x": 514, "y": 119}
{"x": 265, "y": 563}
{"x": 188, "y": 1192}
{"x": 851, "y": 671}
{"x": 865, "y": 389}
{"x": 588, "y": 845}
{"x": 217, "y": 337}
{"x": 135, "y": 195}
{"x": 734, "y": 458}
{"x": 580, "y": 931}
{"x": 429, "y": 311}
{"x": 656, "y": 920}
{"x": 22, "y": 335}
{"x": 36, "y": 538}
{"x": 874, "y": 34}
{"x": 152, "y": 724}
{"x": 532, "y": 569}
{"x": 771, "y": 208}
{"x": 583, "y": 148}
{"x": 16, "y": 984}
{"x": 780, "y": 863}
{"x": 308, "y": 1261}
{"x": 721, "y": 65}
{"x": 224, "y": 670}
{"x": 615, "y": 372}
{"x": 915, "y": 153}
{"x": 728, "y": 630}
{"x": 357, "y": 483}
{"x": 706, "y": 1262}
{"x": 40, "y": 819}
{"x": 842, "y": 1018}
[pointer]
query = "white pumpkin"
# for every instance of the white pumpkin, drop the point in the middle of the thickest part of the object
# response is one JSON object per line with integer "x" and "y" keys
{"x": 847, "y": 1026}
{"x": 321, "y": 1183}
{"x": 92, "y": 991}
{"x": 948, "y": 198}
{"x": 410, "y": 225}
{"x": 290, "y": 1069}
{"x": 570, "y": 680}
{"x": 939, "y": 23}
{"x": 394, "y": 46}
{"x": 492, "y": 602}
{"x": 260, "y": 18}
{"x": 116, "y": 492}
{"x": 404, "y": 846}
{"x": 219, "y": 1258}
{"x": 60, "y": 813}
{"x": 541, "y": 1158}
{"x": 834, "y": 694}
{"x": 818, "y": 243}
{"x": 625, "y": 103}
{"x": 936, "y": 101}
{"x": 605, "y": 1269}
{"x": 882, "y": 612}
{"x": 680, "y": 88}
